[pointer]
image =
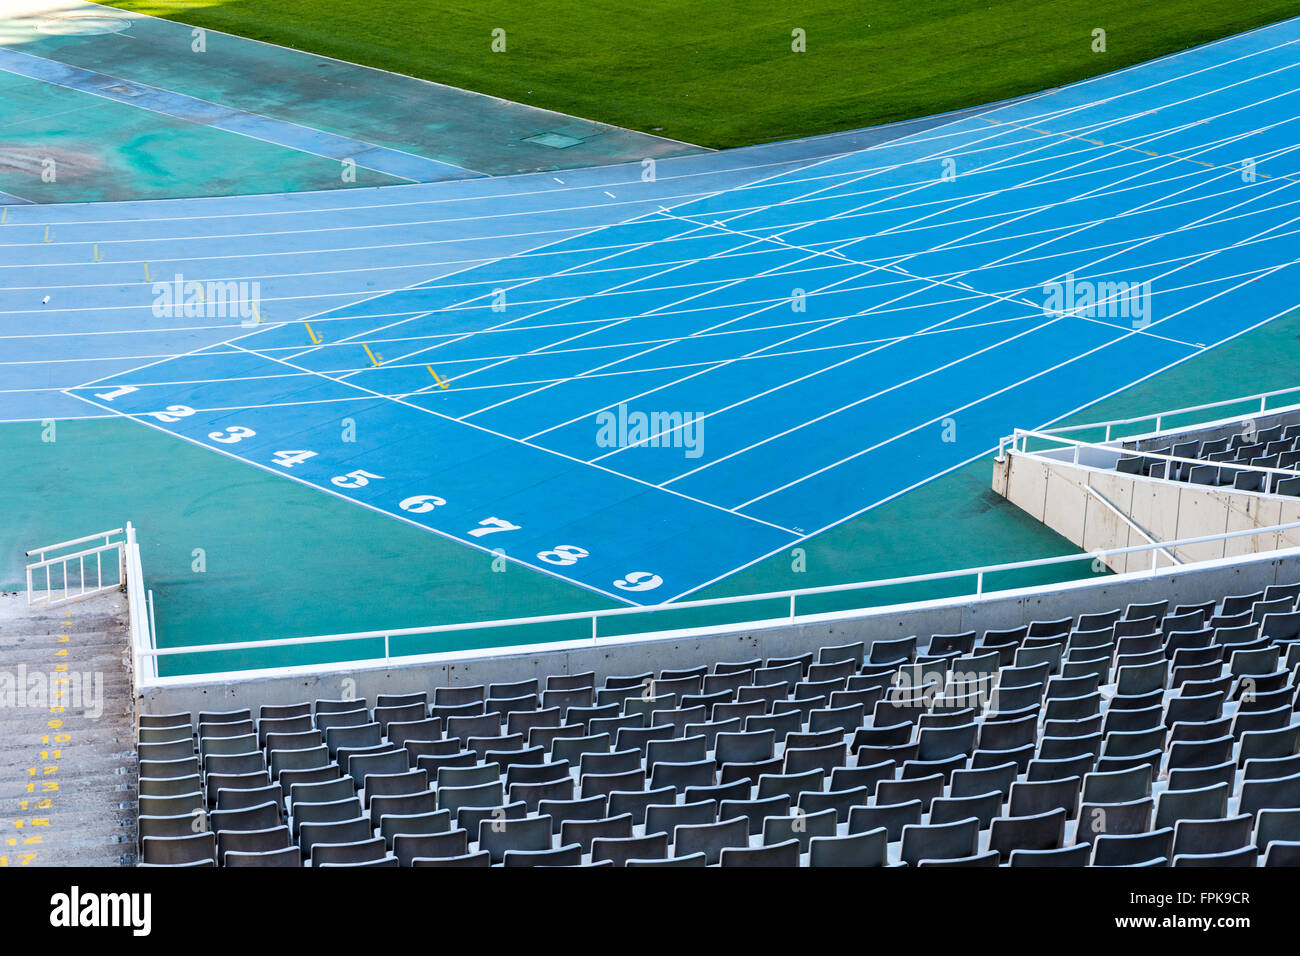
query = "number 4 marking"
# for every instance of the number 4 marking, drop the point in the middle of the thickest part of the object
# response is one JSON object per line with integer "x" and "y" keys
{"x": 493, "y": 525}
{"x": 287, "y": 459}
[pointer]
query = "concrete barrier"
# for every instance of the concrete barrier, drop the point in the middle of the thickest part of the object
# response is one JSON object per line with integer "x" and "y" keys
{"x": 1054, "y": 490}
{"x": 1190, "y": 584}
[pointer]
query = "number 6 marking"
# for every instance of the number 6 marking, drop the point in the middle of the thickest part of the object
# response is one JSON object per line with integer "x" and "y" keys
{"x": 422, "y": 504}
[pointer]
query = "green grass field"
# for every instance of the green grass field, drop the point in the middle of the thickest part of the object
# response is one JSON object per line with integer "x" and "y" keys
{"x": 724, "y": 74}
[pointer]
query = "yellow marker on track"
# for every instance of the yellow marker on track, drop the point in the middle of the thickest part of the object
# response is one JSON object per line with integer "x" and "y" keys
{"x": 146, "y": 272}
{"x": 47, "y": 233}
{"x": 435, "y": 376}
{"x": 4, "y": 214}
{"x": 95, "y": 256}
{"x": 371, "y": 354}
{"x": 315, "y": 339}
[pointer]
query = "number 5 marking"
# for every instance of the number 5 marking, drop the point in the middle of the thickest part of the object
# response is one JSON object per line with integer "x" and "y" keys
{"x": 359, "y": 479}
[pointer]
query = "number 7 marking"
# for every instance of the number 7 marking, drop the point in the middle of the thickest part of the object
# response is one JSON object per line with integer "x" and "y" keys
{"x": 495, "y": 525}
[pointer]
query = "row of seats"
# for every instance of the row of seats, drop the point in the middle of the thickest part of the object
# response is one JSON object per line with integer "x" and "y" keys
{"x": 1141, "y": 735}
{"x": 1226, "y": 461}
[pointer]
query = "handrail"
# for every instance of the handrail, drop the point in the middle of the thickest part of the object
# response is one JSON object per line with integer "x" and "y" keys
{"x": 1262, "y": 397}
{"x": 790, "y": 595}
{"x": 139, "y": 611}
{"x": 68, "y": 594}
{"x": 66, "y": 544}
{"x": 1076, "y": 444}
{"x": 1133, "y": 525}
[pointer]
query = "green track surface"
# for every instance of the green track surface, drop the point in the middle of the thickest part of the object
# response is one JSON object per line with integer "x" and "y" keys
{"x": 285, "y": 560}
{"x": 105, "y": 150}
{"x": 723, "y": 73}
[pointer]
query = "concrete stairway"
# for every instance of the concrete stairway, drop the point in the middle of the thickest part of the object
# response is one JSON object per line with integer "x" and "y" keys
{"x": 74, "y": 794}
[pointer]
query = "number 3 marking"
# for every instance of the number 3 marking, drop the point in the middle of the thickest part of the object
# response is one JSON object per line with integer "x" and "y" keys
{"x": 234, "y": 433}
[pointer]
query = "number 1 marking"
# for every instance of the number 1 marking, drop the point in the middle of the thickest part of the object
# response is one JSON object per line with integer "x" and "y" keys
{"x": 116, "y": 393}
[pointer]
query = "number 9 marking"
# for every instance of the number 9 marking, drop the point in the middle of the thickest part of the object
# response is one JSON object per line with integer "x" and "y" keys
{"x": 639, "y": 581}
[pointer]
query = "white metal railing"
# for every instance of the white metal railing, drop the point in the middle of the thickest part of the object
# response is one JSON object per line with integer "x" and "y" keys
{"x": 51, "y": 583}
{"x": 1019, "y": 442}
{"x": 1133, "y": 525}
{"x": 1259, "y": 397}
{"x": 139, "y": 612}
{"x": 149, "y": 651}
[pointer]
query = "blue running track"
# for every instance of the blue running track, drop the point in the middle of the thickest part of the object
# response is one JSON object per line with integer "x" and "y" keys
{"x": 832, "y": 322}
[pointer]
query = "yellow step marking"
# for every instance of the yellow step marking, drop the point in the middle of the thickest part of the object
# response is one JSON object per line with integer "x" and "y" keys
{"x": 315, "y": 339}
{"x": 371, "y": 354}
{"x": 435, "y": 376}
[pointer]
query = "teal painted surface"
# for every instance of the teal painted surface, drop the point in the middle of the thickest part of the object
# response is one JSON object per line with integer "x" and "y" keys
{"x": 113, "y": 151}
{"x": 109, "y": 151}
{"x": 282, "y": 560}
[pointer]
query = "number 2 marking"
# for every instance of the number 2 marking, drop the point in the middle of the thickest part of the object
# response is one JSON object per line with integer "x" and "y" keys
{"x": 172, "y": 413}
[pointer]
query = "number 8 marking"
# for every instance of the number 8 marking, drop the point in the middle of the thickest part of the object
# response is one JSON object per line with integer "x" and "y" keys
{"x": 564, "y": 554}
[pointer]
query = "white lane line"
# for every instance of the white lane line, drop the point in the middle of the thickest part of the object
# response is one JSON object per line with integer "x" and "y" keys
{"x": 930, "y": 284}
{"x": 1127, "y": 334}
{"x": 795, "y": 381}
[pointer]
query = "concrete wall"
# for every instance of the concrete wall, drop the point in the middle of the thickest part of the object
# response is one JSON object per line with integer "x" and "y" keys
{"x": 1053, "y": 490}
{"x": 632, "y": 655}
